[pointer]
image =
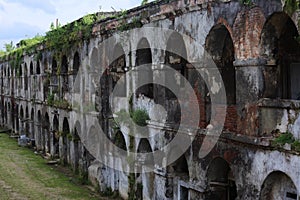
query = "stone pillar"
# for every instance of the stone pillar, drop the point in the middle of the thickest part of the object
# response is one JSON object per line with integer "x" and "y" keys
{"x": 249, "y": 88}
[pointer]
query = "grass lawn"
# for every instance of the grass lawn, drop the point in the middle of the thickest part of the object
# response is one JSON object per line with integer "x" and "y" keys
{"x": 24, "y": 175}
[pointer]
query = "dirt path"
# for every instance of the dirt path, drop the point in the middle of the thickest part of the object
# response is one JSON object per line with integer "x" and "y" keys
{"x": 24, "y": 175}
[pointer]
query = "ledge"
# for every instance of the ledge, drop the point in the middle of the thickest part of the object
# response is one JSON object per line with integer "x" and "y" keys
{"x": 252, "y": 62}
{"x": 279, "y": 103}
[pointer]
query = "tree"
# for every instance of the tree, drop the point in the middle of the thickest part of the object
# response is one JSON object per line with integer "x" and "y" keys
{"x": 9, "y": 46}
{"x": 144, "y": 2}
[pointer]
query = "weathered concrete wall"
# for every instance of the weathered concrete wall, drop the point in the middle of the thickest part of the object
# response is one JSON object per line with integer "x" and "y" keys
{"x": 63, "y": 115}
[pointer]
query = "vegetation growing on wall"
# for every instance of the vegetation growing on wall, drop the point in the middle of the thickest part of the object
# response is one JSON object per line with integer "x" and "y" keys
{"x": 247, "y": 2}
{"x": 60, "y": 38}
{"x": 144, "y": 2}
{"x": 290, "y": 6}
{"x": 286, "y": 138}
{"x": 139, "y": 117}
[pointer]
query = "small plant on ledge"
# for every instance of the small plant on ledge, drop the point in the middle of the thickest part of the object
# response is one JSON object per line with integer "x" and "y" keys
{"x": 139, "y": 117}
{"x": 286, "y": 138}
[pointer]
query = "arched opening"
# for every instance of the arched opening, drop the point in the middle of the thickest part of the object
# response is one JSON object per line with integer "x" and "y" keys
{"x": 119, "y": 141}
{"x": 117, "y": 70}
{"x": 175, "y": 57}
{"x": 6, "y": 113}
{"x": 219, "y": 46}
{"x": 31, "y": 78}
{"x": 278, "y": 185}
{"x": 45, "y": 65}
{"x": 143, "y": 57}
{"x": 26, "y": 121}
{"x": 2, "y": 76}
{"x": 106, "y": 80}
{"x": 64, "y": 151}
{"x": 11, "y": 108}
{"x": 280, "y": 47}
{"x": 54, "y": 67}
{"x": 177, "y": 171}
{"x": 10, "y": 114}
{"x": 37, "y": 80}
{"x": 64, "y": 74}
{"x": 87, "y": 157}
{"x": 55, "y": 136}
{"x": 31, "y": 68}
{"x": 20, "y": 76}
{"x": 46, "y": 80}
{"x": 54, "y": 75}
{"x": 220, "y": 180}
{"x": 32, "y": 125}
{"x": 76, "y": 147}
{"x": 144, "y": 181}
{"x": 16, "y": 118}
{"x": 25, "y": 77}
{"x": 39, "y": 139}
{"x": 46, "y": 133}
{"x": 38, "y": 68}
{"x": 21, "y": 118}
{"x": 76, "y": 64}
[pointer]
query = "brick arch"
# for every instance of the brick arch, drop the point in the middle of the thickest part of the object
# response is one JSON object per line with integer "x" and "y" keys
{"x": 220, "y": 180}
{"x": 281, "y": 50}
{"x": 224, "y": 22}
{"x": 219, "y": 47}
{"x": 246, "y": 32}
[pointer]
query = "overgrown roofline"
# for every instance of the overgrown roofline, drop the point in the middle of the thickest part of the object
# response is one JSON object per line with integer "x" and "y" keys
{"x": 61, "y": 38}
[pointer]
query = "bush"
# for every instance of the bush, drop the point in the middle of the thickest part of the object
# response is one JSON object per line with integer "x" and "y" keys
{"x": 284, "y": 138}
{"x": 140, "y": 117}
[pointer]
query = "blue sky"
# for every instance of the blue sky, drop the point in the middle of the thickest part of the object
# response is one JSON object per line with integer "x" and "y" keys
{"x": 21, "y": 19}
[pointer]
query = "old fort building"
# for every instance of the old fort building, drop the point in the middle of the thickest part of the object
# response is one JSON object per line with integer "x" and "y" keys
{"x": 60, "y": 94}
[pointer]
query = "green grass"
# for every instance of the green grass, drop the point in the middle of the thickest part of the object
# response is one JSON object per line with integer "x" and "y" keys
{"x": 24, "y": 174}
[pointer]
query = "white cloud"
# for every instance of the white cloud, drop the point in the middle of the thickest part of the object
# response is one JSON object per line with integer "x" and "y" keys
{"x": 45, "y": 6}
{"x": 21, "y": 18}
